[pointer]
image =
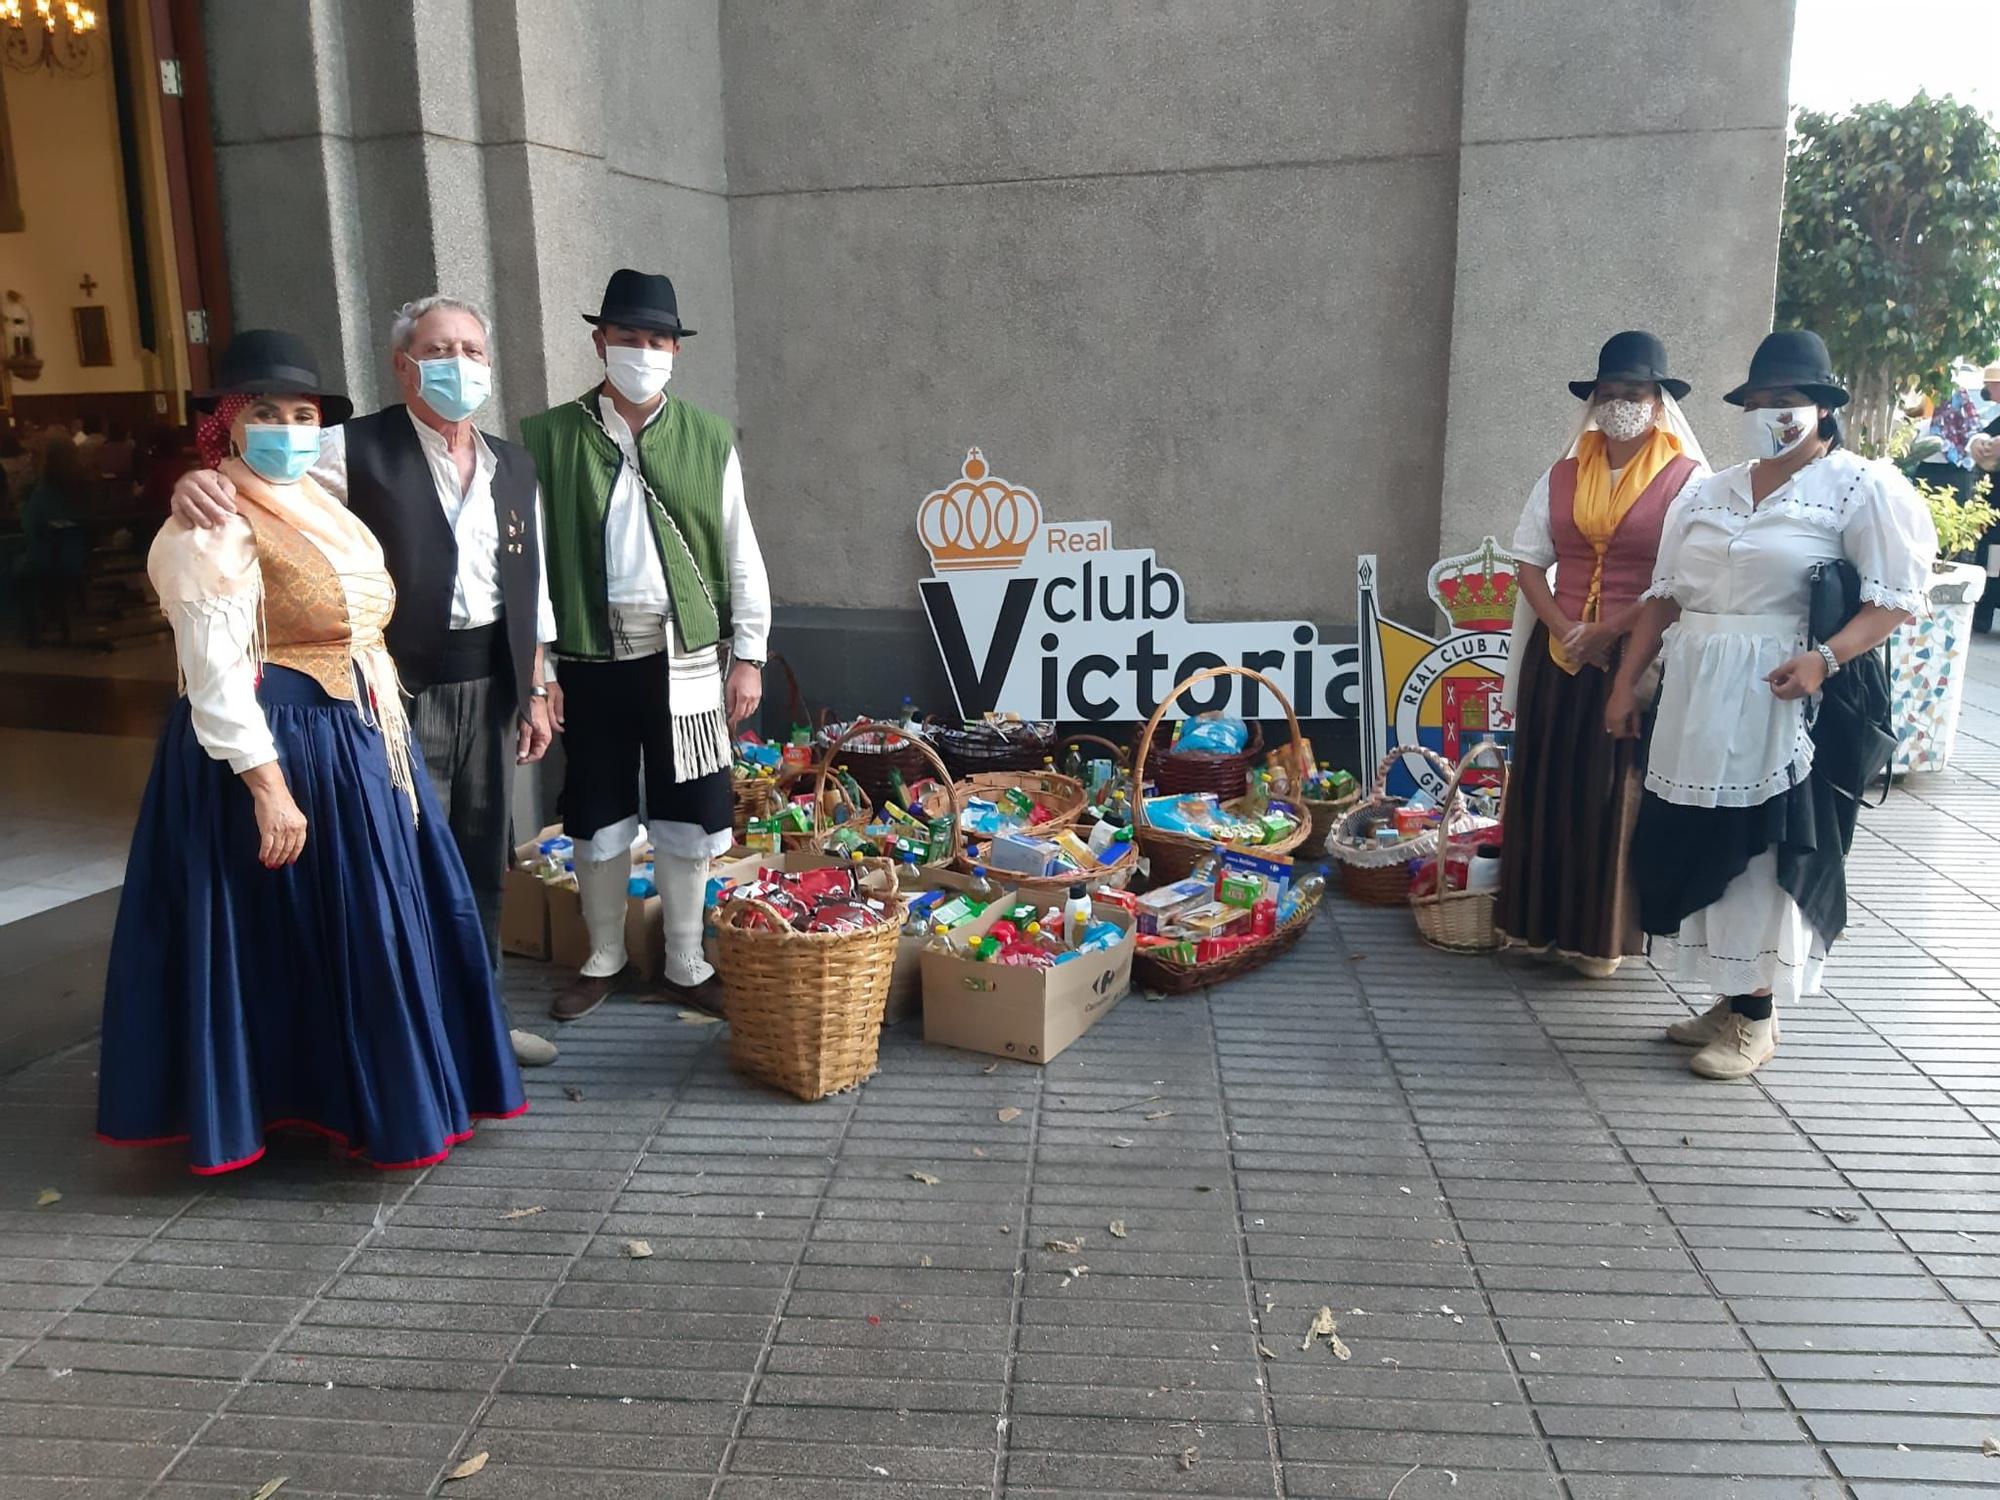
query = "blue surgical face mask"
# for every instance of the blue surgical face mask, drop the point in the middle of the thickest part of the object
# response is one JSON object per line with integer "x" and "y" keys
{"x": 454, "y": 387}
{"x": 281, "y": 453}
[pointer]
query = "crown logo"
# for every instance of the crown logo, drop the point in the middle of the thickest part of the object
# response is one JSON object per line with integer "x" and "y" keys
{"x": 982, "y": 521}
{"x": 1476, "y": 590}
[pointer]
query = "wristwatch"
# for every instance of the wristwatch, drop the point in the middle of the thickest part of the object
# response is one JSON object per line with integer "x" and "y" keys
{"x": 1832, "y": 661}
{"x": 749, "y": 661}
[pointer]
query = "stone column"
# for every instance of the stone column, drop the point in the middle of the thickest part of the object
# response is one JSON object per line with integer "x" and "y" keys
{"x": 1619, "y": 167}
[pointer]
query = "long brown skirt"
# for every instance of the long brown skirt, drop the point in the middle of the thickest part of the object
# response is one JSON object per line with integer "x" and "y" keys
{"x": 1572, "y": 802}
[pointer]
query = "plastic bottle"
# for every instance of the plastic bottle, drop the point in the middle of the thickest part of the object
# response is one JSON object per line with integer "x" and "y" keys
{"x": 899, "y": 792}
{"x": 1208, "y": 867}
{"x": 982, "y": 888}
{"x": 1076, "y": 915}
{"x": 909, "y": 714}
{"x": 1258, "y": 801}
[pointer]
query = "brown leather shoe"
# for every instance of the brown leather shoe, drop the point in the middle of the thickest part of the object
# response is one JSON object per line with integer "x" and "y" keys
{"x": 705, "y": 997}
{"x": 584, "y": 994}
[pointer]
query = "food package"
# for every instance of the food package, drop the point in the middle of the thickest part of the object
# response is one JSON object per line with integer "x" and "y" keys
{"x": 1158, "y": 907}
{"x": 1018, "y": 854}
{"x": 1213, "y": 733}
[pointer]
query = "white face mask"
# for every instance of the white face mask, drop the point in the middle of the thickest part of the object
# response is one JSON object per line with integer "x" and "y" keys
{"x": 1775, "y": 432}
{"x": 1622, "y": 421}
{"x": 638, "y": 374}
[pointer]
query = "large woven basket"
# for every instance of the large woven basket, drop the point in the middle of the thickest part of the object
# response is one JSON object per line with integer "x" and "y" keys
{"x": 1460, "y": 921}
{"x": 967, "y": 751}
{"x": 1324, "y": 815}
{"x": 1379, "y": 875}
{"x": 870, "y": 765}
{"x": 805, "y": 1008}
{"x": 942, "y": 803}
{"x": 1046, "y": 889}
{"x": 1062, "y": 795}
{"x": 1173, "y": 855}
{"x": 1226, "y": 775}
{"x": 1170, "y": 978}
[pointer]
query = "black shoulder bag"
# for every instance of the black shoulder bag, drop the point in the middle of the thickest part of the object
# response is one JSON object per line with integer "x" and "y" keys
{"x": 1853, "y": 734}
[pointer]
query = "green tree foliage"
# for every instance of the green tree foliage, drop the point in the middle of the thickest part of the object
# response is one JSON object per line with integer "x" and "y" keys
{"x": 1891, "y": 248}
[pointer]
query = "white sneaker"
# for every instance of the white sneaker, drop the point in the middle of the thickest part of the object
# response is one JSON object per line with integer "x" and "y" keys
{"x": 532, "y": 1051}
{"x": 1699, "y": 1031}
{"x": 1740, "y": 1048}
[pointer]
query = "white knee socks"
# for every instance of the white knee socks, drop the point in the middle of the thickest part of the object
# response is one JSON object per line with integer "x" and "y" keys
{"x": 682, "y": 884}
{"x": 604, "y": 887}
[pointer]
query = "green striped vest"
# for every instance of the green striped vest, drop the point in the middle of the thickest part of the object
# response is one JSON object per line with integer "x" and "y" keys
{"x": 682, "y": 454}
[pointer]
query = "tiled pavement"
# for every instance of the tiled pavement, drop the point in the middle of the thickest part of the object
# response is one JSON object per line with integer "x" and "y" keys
{"x": 1561, "y": 1264}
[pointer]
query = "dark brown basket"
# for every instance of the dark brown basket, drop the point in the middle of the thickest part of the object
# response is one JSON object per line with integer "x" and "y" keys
{"x": 1172, "y": 856}
{"x": 902, "y": 752}
{"x": 1227, "y": 776}
{"x": 1170, "y": 978}
{"x": 968, "y": 752}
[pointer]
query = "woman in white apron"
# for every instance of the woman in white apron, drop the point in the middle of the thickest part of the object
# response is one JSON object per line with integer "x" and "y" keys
{"x": 1740, "y": 850}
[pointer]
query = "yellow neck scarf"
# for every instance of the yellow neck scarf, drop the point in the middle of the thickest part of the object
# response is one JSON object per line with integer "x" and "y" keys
{"x": 1599, "y": 508}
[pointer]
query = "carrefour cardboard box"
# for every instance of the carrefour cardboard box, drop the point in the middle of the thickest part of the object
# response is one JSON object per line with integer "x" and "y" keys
{"x": 1029, "y": 1014}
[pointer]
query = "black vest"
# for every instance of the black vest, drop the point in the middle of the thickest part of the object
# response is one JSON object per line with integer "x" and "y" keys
{"x": 389, "y": 486}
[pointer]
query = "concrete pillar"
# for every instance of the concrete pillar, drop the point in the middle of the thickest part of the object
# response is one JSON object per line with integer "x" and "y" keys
{"x": 1619, "y": 167}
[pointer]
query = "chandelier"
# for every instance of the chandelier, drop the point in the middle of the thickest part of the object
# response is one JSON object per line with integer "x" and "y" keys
{"x": 55, "y": 35}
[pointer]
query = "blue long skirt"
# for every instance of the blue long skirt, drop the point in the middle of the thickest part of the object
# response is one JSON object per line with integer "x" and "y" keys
{"x": 348, "y": 994}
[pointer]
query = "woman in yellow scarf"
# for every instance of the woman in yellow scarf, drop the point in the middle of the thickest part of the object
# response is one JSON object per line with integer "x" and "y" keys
{"x": 1586, "y": 544}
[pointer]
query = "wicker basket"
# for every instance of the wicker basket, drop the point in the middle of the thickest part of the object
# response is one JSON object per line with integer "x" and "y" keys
{"x": 942, "y": 803}
{"x": 1324, "y": 815}
{"x": 1379, "y": 875}
{"x": 968, "y": 752}
{"x": 902, "y": 752}
{"x": 1226, "y": 775}
{"x": 1173, "y": 855}
{"x": 1171, "y": 978}
{"x": 1044, "y": 890}
{"x": 753, "y": 793}
{"x": 1062, "y": 795}
{"x": 1460, "y": 921}
{"x": 805, "y": 1008}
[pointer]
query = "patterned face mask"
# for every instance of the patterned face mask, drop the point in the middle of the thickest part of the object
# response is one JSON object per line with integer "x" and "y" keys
{"x": 1622, "y": 421}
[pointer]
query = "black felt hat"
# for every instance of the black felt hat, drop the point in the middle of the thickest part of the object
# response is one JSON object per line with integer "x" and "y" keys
{"x": 1633, "y": 355}
{"x": 634, "y": 299}
{"x": 270, "y": 362}
{"x": 1793, "y": 359}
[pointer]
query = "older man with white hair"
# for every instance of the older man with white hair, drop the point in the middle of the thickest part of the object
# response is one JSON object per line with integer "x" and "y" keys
{"x": 458, "y": 514}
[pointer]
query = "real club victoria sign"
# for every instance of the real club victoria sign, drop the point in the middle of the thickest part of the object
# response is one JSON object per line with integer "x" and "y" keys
{"x": 1051, "y": 620}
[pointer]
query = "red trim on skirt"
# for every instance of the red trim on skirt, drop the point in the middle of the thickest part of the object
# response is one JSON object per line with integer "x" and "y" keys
{"x": 313, "y": 1127}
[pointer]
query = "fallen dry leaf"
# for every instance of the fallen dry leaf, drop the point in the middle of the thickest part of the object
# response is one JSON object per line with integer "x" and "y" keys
{"x": 1845, "y": 1215}
{"x": 638, "y": 1250}
{"x": 1009, "y": 1115}
{"x": 992, "y": 1067}
{"x": 1117, "y": 1227}
{"x": 47, "y": 1196}
{"x": 524, "y": 1213}
{"x": 270, "y": 1489}
{"x": 1064, "y": 1247}
{"x": 699, "y": 1018}
{"x": 1188, "y": 1459}
{"x": 1122, "y": 1142}
{"x": 1340, "y": 1350}
{"x": 925, "y": 1178}
{"x": 1322, "y": 1324}
{"x": 470, "y": 1467}
{"x": 1991, "y": 1447}
{"x": 1160, "y": 1114}
{"x": 1265, "y": 1352}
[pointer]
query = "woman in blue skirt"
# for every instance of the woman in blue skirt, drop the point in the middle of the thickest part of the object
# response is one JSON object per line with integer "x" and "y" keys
{"x": 297, "y": 945}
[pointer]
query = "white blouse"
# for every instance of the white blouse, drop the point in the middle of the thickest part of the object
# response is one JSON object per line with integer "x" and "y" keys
{"x": 1722, "y": 738}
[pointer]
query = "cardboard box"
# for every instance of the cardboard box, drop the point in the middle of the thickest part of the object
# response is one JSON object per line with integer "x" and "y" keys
{"x": 524, "y": 916}
{"x": 1029, "y": 1014}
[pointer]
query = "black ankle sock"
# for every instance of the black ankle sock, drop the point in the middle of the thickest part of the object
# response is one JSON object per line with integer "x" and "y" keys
{"x": 1751, "y": 1007}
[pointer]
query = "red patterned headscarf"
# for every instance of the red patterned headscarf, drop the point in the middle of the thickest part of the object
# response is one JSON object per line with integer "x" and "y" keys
{"x": 211, "y": 433}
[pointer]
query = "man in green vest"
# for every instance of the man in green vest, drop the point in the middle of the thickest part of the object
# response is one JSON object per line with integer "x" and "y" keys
{"x": 653, "y": 572}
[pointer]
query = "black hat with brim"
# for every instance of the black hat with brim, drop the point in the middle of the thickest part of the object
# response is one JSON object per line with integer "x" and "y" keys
{"x": 270, "y": 362}
{"x": 1635, "y": 356}
{"x": 1792, "y": 359}
{"x": 633, "y": 299}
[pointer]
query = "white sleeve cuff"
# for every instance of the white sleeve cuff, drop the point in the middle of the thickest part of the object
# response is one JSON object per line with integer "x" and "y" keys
{"x": 241, "y": 763}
